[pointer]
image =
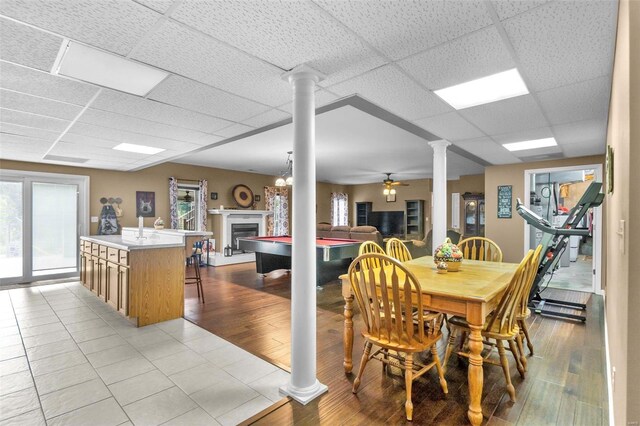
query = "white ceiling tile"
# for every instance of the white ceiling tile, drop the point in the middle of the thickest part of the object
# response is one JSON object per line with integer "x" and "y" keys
{"x": 32, "y": 82}
{"x": 588, "y": 131}
{"x": 139, "y": 126}
{"x": 14, "y": 147}
{"x": 349, "y": 70}
{"x": 523, "y": 135}
{"x": 564, "y": 42}
{"x": 322, "y": 97}
{"x": 401, "y": 28}
{"x": 31, "y": 104}
{"x": 284, "y": 33}
{"x": 395, "y": 92}
{"x": 158, "y": 5}
{"x": 529, "y": 154}
{"x": 32, "y": 120}
{"x": 581, "y": 101}
{"x": 470, "y": 57}
{"x": 585, "y": 148}
{"x": 507, "y": 116}
{"x": 116, "y": 137}
{"x": 199, "y": 97}
{"x": 508, "y": 8}
{"x": 488, "y": 150}
{"x": 27, "y": 46}
{"x": 267, "y": 118}
{"x": 450, "y": 126}
{"x": 112, "y": 25}
{"x": 84, "y": 150}
{"x": 234, "y": 130}
{"x": 135, "y": 106}
{"x": 177, "y": 49}
{"x": 32, "y": 132}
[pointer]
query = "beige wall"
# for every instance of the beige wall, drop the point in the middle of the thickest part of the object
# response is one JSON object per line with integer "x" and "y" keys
{"x": 622, "y": 278}
{"x": 509, "y": 233}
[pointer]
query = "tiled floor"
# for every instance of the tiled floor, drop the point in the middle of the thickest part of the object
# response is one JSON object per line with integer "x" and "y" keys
{"x": 66, "y": 358}
{"x": 576, "y": 277}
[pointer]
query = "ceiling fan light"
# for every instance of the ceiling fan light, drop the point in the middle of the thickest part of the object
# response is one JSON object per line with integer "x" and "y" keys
{"x": 281, "y": 182}
{"x": 385, "y": 191}
{"x": 289, "y": 180}
{"x": 392, "y": 191}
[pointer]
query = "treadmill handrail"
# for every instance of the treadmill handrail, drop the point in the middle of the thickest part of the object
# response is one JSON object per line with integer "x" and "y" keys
{"x": 542, "y": 224}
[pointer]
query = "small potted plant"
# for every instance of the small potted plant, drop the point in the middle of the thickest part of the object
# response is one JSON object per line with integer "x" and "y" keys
{"x": 448, "y": 253}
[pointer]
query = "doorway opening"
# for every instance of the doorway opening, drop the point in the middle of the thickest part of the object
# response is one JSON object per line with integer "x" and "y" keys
{"x": 553, "y": 193}
{"x": 188, "y": 207}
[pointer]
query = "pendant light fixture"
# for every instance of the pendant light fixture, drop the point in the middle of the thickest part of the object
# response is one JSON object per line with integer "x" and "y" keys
{"x": 286, "y": 176}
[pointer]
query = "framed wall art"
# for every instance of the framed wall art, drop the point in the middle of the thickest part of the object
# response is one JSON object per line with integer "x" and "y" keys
{"x": 145, "y": 204}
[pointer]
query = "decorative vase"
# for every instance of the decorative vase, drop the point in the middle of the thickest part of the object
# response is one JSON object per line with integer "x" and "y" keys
{"x": 448, "y": 253}
{"x": 159, "y": 223}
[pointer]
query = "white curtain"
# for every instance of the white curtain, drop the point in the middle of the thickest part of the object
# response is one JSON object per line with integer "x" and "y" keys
{"x": 202, "y": 185}
{"x": 339, "y": 209}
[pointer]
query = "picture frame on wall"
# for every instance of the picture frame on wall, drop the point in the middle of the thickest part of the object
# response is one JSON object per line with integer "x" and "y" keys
{"x": 505, "y": 197}
{"x": 257, "y": 198}
{"x": 145, "y": 204}
{"x": 391, "y": 198}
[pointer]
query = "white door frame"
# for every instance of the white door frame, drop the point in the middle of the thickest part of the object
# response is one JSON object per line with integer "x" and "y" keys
{"x": 597, "y": 219}
{"x": 27, "y": 178}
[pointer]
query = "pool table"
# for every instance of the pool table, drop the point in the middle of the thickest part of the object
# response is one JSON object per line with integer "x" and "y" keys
{"x": 333, "y": 255}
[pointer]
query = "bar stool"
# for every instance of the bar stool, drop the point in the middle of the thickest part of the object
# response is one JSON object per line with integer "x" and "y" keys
{"x": 195, "y": 260}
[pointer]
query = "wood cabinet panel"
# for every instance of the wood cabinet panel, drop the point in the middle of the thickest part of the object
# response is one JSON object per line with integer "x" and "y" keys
{"x": 101, "y": 285}
{"x": 112, "y": 284}
{"x": 123, "y": 290}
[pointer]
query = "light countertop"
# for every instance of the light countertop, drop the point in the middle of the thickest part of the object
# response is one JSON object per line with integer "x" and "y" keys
{"x": 125, "y": 243}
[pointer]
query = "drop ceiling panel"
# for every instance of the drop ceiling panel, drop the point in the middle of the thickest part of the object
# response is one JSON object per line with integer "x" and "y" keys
{"x": 488, "y": 150}
{"x": 588, "y": 131}
{"x": 81, "y": 150}
{"x": 31, "y": 104}
{"x": 283, "y": 33}
{"x": 234, "y": 130}
{"x": 470, "y": 57}
{"x": 450, "y": 126}
{"x": 564, "y": 42}
{"x": 112, "y": 25}
{"x": 140, "y": 126}
{"x": 581, "y": 101}
{"x": 32, "y": 120}
{"x": 525, "y": 154}
{"x": 401, "y": 28}
{"x": 523, "y": 135}
{"x": 389, "y": 88}
{"x": 135, "y": 106}
{"x": 584, "y": 148}
{"x": 175, "y": 48}
{"x": 32, "y": 132}
{"x": 37, "y": 83}
{"x": 27, "y": 46}
{"x": 199, "y": 97}
{"x": 508, "y": 8}
{"x": 322, "y": 97}
{"x": 267, "y": 118}
{"x": 158, "y": 5}
{"x": 22, "y": 148}
{"x": 119, "y": 136}
{"x": 507, "y": 116}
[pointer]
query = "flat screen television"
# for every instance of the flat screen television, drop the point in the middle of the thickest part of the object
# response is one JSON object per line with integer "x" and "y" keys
{"x": 390, "y": 224}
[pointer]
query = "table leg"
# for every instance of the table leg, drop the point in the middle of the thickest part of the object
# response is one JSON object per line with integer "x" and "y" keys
{"x": 475, "y": 375}
{"x": 348, "y": 334}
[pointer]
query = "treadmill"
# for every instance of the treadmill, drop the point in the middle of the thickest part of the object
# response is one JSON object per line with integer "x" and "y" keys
{"x": 554, "y": 242}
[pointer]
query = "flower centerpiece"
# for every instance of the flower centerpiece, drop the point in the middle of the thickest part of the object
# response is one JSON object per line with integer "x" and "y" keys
{"x": 450, "y": 254}
{"x": 159, "y": 223}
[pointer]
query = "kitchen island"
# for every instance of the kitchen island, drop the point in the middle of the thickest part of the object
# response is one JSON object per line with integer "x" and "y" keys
{"x": 143, "y": 279}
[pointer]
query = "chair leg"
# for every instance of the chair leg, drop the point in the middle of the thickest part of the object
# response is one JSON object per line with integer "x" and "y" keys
{"x": 199, "y": 280}
{"x": 436, "y": 359}
{"x": 523, "y": 359}
{"x": 363, "y": 363}
{"x": 447, "y": 354}
{"x": 408, "y": 380}
{"x": 505, "y": 368}
{"x": 525, "y": 329}
{"x": 516, "y": 356}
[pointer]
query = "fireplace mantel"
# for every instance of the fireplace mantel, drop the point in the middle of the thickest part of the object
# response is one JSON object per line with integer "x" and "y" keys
{"x": 222, "y": 232}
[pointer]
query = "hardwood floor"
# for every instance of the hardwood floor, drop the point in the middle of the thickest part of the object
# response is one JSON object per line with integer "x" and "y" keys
{"x": 565, "y": 383}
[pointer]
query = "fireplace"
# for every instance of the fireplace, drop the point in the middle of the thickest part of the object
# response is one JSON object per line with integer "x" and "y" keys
{"x": 242, "y": 230}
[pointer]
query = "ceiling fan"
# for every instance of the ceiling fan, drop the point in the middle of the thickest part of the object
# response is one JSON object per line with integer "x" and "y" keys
{"x": 389, "y": 184}
{"x": 187, "y": 197}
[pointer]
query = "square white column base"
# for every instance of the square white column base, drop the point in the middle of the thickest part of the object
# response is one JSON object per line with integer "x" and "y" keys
{"x": 304, "y": 396}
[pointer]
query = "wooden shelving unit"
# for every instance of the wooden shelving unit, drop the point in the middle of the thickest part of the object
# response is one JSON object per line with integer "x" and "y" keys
{"x": 362, "y": 213}
{"x": 414, "y": 219}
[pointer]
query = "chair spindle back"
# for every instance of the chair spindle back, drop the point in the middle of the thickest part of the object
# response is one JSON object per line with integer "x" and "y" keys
{"x": 397, "y": 250}
{"x": 480, "y": 248}
{"x": 371, "y": 247}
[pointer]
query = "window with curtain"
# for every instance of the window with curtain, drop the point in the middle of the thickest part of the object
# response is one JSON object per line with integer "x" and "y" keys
{"x": 188, "y": 205}
{"x": 277, "y": 201}
{"x": 339, "y": 209}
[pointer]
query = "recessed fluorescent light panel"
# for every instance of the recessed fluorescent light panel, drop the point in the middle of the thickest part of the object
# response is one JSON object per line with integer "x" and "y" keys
{"x": 496, "y": 87}
{"x": 105, "y": 69}
{"x": 533, "y": 144}
{"x": 140, "y": 149}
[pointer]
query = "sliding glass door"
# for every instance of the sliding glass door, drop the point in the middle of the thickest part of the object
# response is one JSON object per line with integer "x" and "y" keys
{"x": 43, "y": 216}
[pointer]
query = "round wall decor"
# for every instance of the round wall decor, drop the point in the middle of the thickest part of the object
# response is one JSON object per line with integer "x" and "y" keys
{"x": 243, "y": 196}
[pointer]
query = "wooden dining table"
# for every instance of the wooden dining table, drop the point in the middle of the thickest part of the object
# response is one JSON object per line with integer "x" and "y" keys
{"x": 472, "y": 292}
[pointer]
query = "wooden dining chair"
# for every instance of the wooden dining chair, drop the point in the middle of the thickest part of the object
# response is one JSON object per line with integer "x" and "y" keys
{"x": 371, "y": 247}
{"x": 397, "y": 250}
{"x": 480, "y": 248}
{"x": 524, "y": 312}
{"x": 195, "y": 259}
{"x": 391, "y": 305}
{"x": 501, "y": 325}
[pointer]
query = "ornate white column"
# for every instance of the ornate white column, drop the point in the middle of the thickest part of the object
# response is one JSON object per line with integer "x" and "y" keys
{"x": 439, "y": 211}
{"x": 304, "y": 386}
